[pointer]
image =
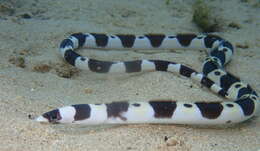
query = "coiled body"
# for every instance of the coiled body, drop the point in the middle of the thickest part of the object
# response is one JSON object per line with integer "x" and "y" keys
{"x": 244, "y": 104}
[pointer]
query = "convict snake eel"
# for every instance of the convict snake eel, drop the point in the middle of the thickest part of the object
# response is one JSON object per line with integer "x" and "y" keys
{"x": 243, "y": 100}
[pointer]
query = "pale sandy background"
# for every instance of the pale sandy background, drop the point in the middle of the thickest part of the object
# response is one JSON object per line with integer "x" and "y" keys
{"x": 25, "y": 92}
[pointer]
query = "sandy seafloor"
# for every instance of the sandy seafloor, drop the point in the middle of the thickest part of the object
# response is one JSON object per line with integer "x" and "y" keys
{"x": 25, "y": 92}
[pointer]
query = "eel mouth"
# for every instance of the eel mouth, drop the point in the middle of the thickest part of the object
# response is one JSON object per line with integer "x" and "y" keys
{"x": 42, "y": 119}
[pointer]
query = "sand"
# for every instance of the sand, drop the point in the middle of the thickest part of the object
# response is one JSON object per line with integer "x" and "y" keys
{"x": 26, "y": 92}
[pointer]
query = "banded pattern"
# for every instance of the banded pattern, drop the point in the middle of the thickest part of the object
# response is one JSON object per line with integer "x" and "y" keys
{"x": 245, "y": 100}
